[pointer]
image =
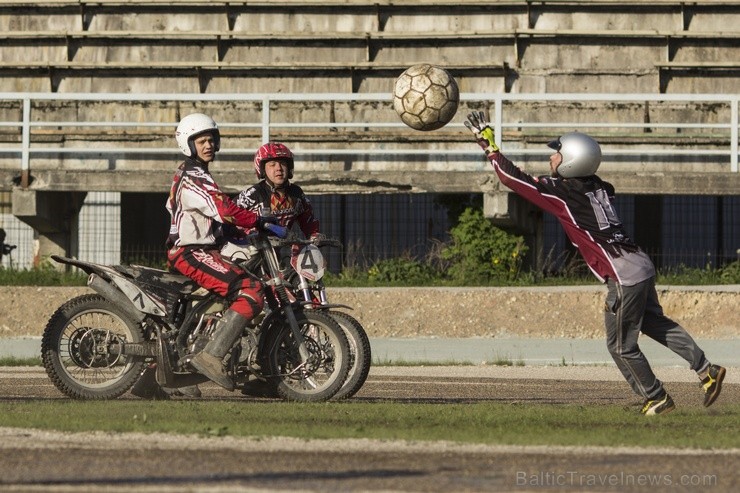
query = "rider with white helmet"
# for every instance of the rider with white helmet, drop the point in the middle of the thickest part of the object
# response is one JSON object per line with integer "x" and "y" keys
{"x": 199, "y": 210}
{"x": 582, "y": 202}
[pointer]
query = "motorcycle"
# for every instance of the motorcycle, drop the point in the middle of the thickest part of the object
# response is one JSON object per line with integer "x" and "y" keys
{"x": 305, "y": 280}
{"x": 96, "y": 346}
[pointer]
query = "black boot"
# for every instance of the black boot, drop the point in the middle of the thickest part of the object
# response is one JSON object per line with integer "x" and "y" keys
{"x": 188, "y": 391}
{"x": 209, "y": 362}
{"x": 147, "y": 387}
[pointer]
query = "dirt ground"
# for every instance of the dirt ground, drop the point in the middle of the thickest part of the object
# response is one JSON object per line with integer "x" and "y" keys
{"x": 38, "y": 460}
{"x": 569, "y": 312}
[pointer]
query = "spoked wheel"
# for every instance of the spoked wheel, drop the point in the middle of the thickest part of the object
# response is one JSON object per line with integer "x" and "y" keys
{"x": 360, "y": 357}
{"x": 320, "y": 376}
{"x": 80, "y": 345}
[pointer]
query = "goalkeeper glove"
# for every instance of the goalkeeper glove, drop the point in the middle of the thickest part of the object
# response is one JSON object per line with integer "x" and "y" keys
{"x": 477, "y": 124}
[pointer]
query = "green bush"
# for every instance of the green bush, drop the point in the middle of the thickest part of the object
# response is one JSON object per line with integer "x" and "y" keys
{"x": 404, "y": 270}
{"x": 683, "y": 275}
{"x": 730, "y": 274}
{"x": 481, "y": 253}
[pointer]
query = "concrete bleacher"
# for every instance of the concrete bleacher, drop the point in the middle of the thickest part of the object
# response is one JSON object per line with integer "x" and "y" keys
{"x": 361, "y": 45}
{"x": 306, "y": 47}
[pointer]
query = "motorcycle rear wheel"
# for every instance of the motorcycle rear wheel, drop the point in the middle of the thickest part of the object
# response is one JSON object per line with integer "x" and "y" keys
{"x": 361, "y": 357}
{"x": 75, "y": 349}
{"x": 319, "y": 378}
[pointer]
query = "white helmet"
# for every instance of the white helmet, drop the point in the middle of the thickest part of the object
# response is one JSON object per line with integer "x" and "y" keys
{"x": 193, "y": 125}
{"x": 581, "y": 155}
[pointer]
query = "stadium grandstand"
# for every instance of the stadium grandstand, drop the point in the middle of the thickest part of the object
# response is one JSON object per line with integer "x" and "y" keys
{"x": 91, "y": 91}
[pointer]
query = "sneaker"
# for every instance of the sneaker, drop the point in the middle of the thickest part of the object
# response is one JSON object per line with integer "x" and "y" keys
{"x": 661, "y": 405}
{"x": 712, "y": 385}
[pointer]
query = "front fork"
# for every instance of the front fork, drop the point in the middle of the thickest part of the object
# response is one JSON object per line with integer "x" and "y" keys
{"x": 287, "y": 307}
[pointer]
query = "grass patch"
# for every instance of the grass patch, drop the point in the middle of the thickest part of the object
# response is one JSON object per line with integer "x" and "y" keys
{"x": 486, "y": 423}
{"x": 13, "y": 361}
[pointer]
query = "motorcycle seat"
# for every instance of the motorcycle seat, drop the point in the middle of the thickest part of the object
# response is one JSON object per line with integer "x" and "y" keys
{"x": 163, "y": 279}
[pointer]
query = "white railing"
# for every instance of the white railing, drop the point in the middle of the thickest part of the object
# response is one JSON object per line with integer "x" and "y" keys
{"x": 386, "y": 119}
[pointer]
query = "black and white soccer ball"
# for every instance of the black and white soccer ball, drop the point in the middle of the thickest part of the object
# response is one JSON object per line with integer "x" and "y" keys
{"x": 426, "y": 97}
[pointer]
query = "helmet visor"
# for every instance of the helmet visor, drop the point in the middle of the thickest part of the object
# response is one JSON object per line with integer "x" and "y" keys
{"x": 555, "y": 144}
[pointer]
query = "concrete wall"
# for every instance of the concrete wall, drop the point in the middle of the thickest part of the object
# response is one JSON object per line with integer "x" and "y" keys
{"x": 548, "y": 47}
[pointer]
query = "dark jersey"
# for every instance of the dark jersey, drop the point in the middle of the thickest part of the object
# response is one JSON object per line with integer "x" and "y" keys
{"x": 289, "y": 204}
{"x": 583, "y": 206}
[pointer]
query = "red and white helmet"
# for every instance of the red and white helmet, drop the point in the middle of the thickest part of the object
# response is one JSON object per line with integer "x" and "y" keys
{"x": 272, "y": 151}
{"x": 192, "y": 126}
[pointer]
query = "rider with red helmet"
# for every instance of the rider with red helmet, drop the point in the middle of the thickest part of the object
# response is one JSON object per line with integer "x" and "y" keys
{"x": 273, "y": 165}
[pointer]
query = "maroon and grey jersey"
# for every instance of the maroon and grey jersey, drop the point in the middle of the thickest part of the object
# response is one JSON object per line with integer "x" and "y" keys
{"x": 584, "y": 208}
{"x": 198, "y": 208}
{"x": 288, "y": 203}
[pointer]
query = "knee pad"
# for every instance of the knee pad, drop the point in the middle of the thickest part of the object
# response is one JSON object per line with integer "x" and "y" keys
{"x": 248, "y": 299}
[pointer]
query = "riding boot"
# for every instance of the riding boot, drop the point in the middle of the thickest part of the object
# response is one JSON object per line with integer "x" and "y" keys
{"x": 209, "y": 361}
{"x": 187, "y": 391}
{"x": 148, "y": 388}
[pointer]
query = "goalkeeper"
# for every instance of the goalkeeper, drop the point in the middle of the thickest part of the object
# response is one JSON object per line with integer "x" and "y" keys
{"x": 582, "y": 203}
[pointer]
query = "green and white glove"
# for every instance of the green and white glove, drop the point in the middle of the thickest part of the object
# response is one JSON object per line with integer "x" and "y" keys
{"x": 477, "y": 124}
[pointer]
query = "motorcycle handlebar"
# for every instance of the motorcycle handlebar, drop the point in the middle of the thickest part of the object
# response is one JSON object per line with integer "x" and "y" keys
{"x": 294, "y": 240}
{"x": 284, "y": 237}
{"x": 279, "y": 231}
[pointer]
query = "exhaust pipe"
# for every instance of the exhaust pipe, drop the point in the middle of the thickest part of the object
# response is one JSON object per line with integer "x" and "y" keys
{"x": 115, "y": 296}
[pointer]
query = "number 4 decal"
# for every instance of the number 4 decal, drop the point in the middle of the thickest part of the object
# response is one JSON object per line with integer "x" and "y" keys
{"x": 308, "y": 262}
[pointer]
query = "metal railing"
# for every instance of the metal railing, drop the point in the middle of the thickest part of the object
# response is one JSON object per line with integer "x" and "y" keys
{"x": 266, "y": 125}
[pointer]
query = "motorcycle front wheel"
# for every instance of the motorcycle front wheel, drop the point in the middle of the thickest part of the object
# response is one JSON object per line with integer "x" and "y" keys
{"x": 321, "y": 376}
{"x": 360, "y": 356}
{"x": 78, "y": 349}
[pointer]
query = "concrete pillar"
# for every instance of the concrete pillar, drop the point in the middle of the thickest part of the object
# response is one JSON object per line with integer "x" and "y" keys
{"x": 54, "y": 217}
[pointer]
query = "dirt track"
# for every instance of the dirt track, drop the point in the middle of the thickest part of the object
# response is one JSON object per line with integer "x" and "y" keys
{"x": 44, "y": 461}
{"x": 570, "y": 312}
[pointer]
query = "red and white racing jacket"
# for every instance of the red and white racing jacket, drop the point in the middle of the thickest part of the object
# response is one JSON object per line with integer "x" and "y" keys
{"x": 198, "y": 208}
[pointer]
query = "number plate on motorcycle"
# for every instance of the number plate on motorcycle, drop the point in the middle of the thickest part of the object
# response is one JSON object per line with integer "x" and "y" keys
{"x": 309, "y": 263}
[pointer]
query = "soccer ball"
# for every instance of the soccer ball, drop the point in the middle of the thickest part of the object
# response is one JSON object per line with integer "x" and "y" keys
{"x": 426, "y": 97}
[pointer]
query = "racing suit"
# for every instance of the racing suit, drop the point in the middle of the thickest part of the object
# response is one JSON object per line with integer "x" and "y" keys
{"x": 198, "y": 211}
{"x": 583, "y": 206}
{"x": 287, "y": 203}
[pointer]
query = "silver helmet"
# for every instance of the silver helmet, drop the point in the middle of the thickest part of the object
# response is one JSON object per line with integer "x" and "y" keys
{"x": 581, "y": 155}
{"x": 192, "y": 126}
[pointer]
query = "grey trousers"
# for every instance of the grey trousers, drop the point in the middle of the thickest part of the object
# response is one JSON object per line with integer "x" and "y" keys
{"x": 630, "y": 310}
